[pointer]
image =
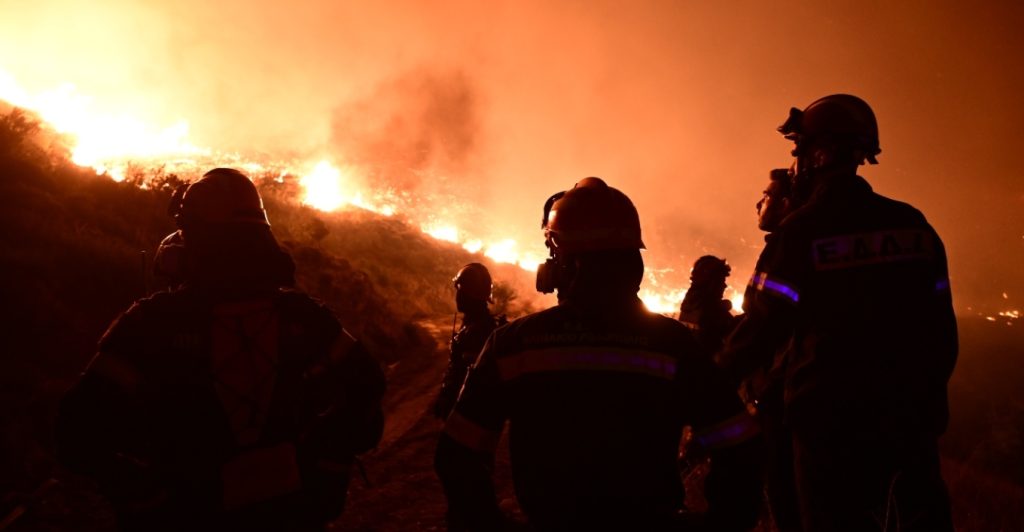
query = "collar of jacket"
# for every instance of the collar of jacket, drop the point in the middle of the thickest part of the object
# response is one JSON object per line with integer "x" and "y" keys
{"x": 842, "y": 185}
{"x": 603, "y": 300}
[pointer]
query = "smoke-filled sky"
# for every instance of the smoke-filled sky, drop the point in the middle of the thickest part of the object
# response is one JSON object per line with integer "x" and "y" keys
{"x": 503, "y": 103}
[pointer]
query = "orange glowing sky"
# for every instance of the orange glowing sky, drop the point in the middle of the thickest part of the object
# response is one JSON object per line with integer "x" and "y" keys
{"x": 503, "y": 103}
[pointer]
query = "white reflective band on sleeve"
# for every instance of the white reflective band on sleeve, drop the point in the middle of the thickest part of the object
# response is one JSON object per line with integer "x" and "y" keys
{"x": 762, "y": 282}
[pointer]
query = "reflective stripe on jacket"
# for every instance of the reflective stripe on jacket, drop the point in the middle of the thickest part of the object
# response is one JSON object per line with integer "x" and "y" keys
{"x": 595, "y": 400}
{"x": 859, "y": 284}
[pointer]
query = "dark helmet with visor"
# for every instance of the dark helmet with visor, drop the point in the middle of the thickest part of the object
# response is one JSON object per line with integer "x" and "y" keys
{"x": 839, "y": 119}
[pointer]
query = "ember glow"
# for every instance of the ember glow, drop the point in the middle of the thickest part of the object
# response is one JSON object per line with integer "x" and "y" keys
{"x": 1015, "y": 314}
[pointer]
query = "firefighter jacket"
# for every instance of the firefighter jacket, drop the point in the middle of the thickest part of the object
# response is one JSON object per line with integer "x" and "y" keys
{"x": 857, "y": 284}
{"x": 761, "y": 386}
{"x": 465, "y": 348}
{"x": 200, "y": 414}
{"x": 709, "y": 319}
{"x": 596, "y": 395}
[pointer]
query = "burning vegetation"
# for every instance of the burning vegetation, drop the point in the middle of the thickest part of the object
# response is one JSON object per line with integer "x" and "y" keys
{"x": 417, "y": 189}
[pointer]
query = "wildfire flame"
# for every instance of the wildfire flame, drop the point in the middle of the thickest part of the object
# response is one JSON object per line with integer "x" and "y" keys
{"x": 329, "y": 188}
{"x": 100, "y": 140}
{"x": 106, "y": 142}
{"x": 448, "y": 233}
{"x": 323, "y": 187}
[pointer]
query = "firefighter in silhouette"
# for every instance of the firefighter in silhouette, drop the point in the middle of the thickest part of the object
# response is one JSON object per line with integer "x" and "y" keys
{"x": 776, "y": 201}
{"x": 856, "y": 284}
{"x": 472, "y": 294}
{"x": 596, "y": 392}
{"x": 704, "y": 309}
{"x": 763, "y": 388}
{"x": 231, "y": 403}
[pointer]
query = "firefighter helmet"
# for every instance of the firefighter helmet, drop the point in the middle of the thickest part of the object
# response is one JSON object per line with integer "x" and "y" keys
{"x": 547, "y": 208}
{"x": 843, "y": 119}
{"x": 709, "y": 268}
{"x": 593, "y": 217}
{"x": 222, "y": 196}
{"x": 474, "y": 281}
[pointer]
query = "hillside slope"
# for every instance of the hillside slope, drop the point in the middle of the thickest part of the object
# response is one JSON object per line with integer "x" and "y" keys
{"x": 76, "y": 248}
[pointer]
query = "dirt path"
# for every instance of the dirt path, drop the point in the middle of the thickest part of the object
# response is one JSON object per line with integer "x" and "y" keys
{"x": 404, "y": 493}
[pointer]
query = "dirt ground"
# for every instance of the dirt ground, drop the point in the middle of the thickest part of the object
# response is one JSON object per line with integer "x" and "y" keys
{"x": 403, "y": 492}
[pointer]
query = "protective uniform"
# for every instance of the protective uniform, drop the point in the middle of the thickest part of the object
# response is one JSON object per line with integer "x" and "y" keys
{"x": 857, "y": 284}
{"x": 596, "y": 392}
{"x": 232, "y": 407}
{"x": 465, "y": 347}
{"x": 763, "y": 388}
{"x": 703, "y": 309}
{"x": 473, "y": 283}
